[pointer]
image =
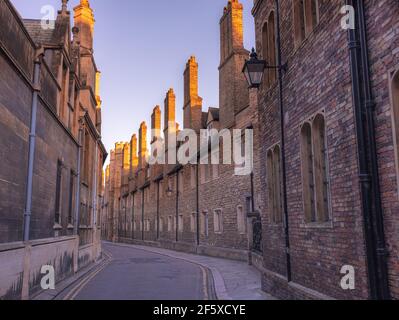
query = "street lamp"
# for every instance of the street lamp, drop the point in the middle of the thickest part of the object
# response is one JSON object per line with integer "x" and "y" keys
{"x": 254, "y": 70}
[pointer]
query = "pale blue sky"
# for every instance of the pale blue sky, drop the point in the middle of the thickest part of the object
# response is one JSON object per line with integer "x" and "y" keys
{"x": 141, "y": 48}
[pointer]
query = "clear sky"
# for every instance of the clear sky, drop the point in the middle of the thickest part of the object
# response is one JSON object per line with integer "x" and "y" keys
{"x": 141, "y": 48}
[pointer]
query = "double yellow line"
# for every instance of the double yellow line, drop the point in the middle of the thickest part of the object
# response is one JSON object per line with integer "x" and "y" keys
{"x": 79, "y": 287}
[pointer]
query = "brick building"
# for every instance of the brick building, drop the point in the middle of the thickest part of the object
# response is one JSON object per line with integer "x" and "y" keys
{"x": 186, "y": 207}
{"x": 340, "y": 102}
{"x": 340, "y": 110}
{"x": 50, "y": 128}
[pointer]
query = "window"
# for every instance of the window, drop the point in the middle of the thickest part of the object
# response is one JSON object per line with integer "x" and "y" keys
{"x": 395, "y": 114}
{"x": 62, "y": 110}
{"x": 147, "y": 225}
{"x": 181, "y": 223}
{"x": 271, "y": 57}
{"x": 160, "y": 224}
{"x": 265, "y": 51}
{"x": 215, "y": 171}
{"x": 306, "y": 18}
{"x": 204, "y": 223}
{"x": 193, "y": 177}
{"x": 205, "y": 173}
{"x": 181, "y": 181}
{"x": 193, "y": 221}
{"x": 269, "y": 49}
{"x": 274, "y": 184}
{"x": 241, "y": 220}
{"x": 161, "y": 190}
{"x": 170, "y": 224}
{"x": 58, "y": 192}
{"x": 218, "y": 221}
{"x": 86, "y": 153}
{"x": 307, "y": 172}
{"x": 71, "y": 197}
{"x": 315, "y": 182}
{"x": 320, "y": 168}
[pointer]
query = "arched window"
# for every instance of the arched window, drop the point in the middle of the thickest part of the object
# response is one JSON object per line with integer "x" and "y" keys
{"x": 306, "y": 18}
{"x": 271, "y": 58}
{"x": 299, "y": 21}
{"x": 277, "y": 184}
{"x": 307, "y": 173}
{"x": 395, "y": 114}
{"x": 315, "y": 182}
{"x": 269, "y": 49}
{"x": 265, "y": 52}
{"x": 274, "y": 184}
{"x": 270, "y": 184}
{"x": 320, "y": 168}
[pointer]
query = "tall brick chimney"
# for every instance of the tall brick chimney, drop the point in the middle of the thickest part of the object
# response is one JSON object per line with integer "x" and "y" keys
{"x": 233, "y": 88}
{"x": 84, "y": 20}
{"x": 126, "y": 156}
{"x": 142, "y": 145}
{"x": 192, "y": 102}
{"x": 156, "y": 124}
{"x": 133, "y": 155}
{"x": 170, "y": 115}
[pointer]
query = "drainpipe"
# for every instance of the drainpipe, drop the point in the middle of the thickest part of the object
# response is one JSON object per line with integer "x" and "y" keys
{"x": 158, "y": 189}
{"x": 177, "y": 205}
{"x": 197, "y": 204}
{"x": 368, "y": 163}
{"x": 382, "y": 252}
{"x": 77, "y": 197}
{"x": 32, "y": 144}
{"x": 142, "y": 214}
{"x": 283, "y": 163}
{"x": 133, "y": 218}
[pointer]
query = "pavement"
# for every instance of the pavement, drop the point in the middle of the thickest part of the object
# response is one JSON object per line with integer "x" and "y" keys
{"x": 132, "y": 272}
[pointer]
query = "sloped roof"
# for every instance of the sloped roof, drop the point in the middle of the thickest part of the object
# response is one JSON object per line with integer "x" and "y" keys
{"x": 38, "y": 34}
{"x": 50, "y": 36}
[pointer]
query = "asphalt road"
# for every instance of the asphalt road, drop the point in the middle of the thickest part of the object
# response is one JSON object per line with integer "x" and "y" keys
{"x": 133, "y": 274}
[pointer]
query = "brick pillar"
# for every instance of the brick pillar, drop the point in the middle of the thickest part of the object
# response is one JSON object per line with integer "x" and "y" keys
{"x": 142, "y": 145}
{"x": 133, "y": 155}
{"x": 156, "y": 124}
{"x": 192, "y": 102}
{"x": 170, "y": 116}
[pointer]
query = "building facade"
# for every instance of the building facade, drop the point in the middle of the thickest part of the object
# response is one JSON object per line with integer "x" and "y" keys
{"x": 340, "y": 119}
{"x": 320, "y": 209}
{"x": 51, "y": 150}
{"x": 187, "y": 207}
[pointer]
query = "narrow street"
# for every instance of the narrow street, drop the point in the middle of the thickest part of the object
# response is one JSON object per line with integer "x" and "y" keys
{"x": 133, "y": 274}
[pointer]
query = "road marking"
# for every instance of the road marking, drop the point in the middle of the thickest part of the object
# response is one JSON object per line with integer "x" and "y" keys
{"x": 79, "y": 287}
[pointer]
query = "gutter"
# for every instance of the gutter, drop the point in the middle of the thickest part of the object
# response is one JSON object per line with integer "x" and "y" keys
{"x": 32, "y": 144}
{"x": 77, "y": 197}
{"x": 364, "y": 105}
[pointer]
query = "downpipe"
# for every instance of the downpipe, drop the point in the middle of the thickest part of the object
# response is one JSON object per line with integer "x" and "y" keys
{"x": 369, "y": 107}
{"x": 369, "y": 179}
{"x": 77, "y": 198}
{"x": 32, "y": 145}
